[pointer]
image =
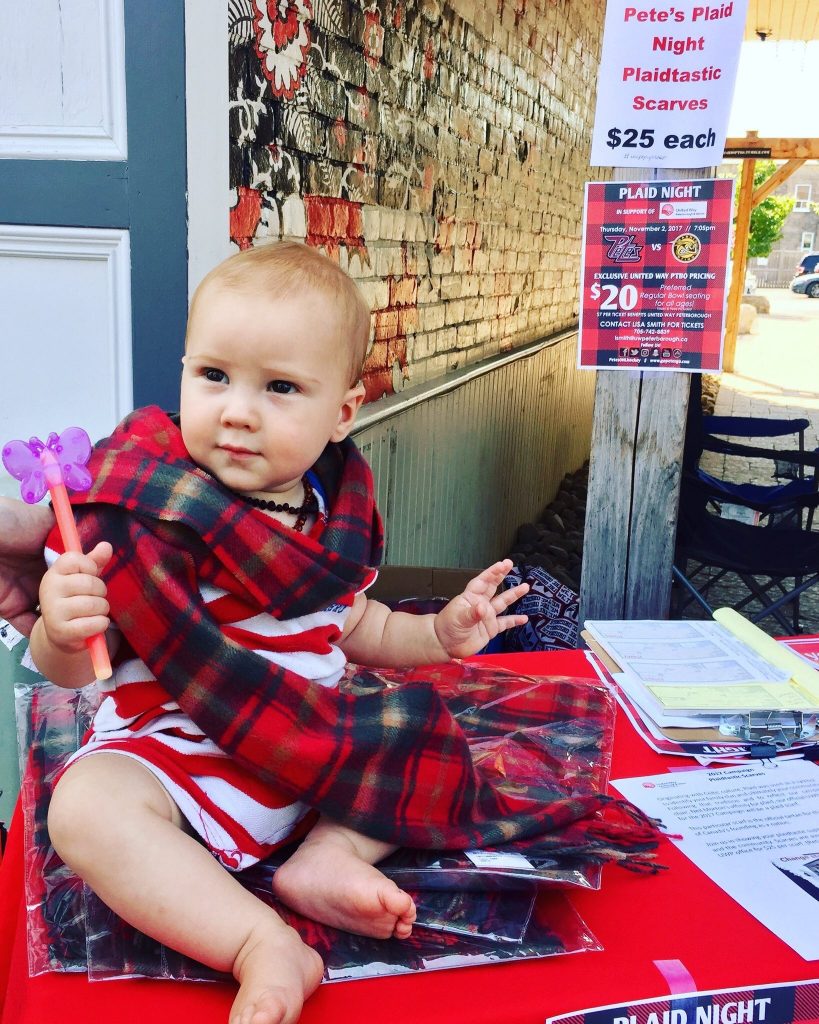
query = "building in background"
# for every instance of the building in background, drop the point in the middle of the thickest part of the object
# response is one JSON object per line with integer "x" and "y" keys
{"x": 800, "y": 234}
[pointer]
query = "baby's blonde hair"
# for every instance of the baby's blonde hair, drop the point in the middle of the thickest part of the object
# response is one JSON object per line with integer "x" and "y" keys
{"x": 286, "y": 269}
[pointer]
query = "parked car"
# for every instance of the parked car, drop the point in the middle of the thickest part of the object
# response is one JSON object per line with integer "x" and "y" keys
{"x": 807, "y": 284}
{"x": 809, "y": 264}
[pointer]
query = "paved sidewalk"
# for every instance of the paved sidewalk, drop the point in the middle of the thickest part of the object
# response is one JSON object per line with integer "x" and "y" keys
{"x": 777, "y": 376}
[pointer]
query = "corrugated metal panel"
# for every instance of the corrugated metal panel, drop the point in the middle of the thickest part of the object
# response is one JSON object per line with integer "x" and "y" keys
{"x": 376, "y": 446}
{"x": 456, "y": 475}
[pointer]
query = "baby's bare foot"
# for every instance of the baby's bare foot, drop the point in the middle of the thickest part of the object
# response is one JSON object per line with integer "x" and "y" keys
{"x": 276, "y": 972}
{"x": 327, "y": 880}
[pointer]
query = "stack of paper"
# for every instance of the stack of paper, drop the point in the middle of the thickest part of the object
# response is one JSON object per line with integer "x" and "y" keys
{"x": 685, "y": 680}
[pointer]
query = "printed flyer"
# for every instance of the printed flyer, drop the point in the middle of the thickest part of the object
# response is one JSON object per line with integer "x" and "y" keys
{"x": 754, "y": 830}
{"x": 654, "y": 270}
{"x": 666, "y": 79}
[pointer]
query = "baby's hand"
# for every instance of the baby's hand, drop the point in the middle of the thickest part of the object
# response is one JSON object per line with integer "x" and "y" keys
{"x": 73, "y": 598}
{"x": 474, "y": 617}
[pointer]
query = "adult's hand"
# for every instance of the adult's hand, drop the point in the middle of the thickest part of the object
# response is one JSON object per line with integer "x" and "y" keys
{"x": 23, "y": 530}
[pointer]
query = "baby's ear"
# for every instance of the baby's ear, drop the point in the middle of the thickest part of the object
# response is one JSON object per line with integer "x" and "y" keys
{"x": 350, "y": 405}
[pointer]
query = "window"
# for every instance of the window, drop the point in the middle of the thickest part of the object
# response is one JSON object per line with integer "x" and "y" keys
{"x": 801, "y": 194}
{"x": 807, "y": 240}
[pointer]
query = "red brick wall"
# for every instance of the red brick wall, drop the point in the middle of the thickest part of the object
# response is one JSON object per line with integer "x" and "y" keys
{"x": 438, "y": 150}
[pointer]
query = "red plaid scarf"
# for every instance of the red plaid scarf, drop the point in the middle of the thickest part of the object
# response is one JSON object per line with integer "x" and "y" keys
{"x": 389, "y": 761}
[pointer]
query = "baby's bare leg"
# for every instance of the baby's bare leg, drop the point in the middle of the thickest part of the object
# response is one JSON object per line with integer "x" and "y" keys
{"x": 114, "y": 824}
{"x": 330, "y": 878}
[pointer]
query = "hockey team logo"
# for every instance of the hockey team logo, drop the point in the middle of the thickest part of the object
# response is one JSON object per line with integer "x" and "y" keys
{"x": 686, "y": 248}
{"x": 622, "y": 249}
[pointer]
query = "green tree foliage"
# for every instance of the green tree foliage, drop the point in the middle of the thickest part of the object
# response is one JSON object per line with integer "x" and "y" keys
{"x": 768, "y": 217}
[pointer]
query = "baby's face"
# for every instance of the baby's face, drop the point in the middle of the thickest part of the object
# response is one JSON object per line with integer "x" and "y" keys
{"x": 265, "y": 386}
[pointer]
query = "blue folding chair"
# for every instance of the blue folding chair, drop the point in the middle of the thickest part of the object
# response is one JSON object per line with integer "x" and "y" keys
{"x": 773, "y": 565}
{"x": 711, "y": 433}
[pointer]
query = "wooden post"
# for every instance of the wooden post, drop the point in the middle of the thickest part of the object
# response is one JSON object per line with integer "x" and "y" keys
{"x": 742, "y": 227}
{"x": 796, "y": 152}
{"x": 634, "y": 482}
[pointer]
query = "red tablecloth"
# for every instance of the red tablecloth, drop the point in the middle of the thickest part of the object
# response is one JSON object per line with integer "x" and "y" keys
{"x": 676, "y": 915}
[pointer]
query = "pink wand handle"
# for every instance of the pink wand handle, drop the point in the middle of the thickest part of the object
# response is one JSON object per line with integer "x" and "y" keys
{"x": 97, "y": 647}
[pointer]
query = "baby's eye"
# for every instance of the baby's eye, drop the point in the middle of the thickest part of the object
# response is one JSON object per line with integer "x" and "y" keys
{"x": 281, "y": 387}
{"x": 213, "y": 375}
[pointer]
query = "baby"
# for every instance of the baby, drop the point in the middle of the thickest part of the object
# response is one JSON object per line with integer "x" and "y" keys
{"x": 150, "y": 812}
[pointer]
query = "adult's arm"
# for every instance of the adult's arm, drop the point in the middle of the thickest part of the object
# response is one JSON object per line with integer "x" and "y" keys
{"x": 23, "y": 530}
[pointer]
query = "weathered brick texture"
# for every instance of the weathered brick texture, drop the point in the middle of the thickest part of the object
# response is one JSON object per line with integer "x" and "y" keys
{"x": 438, "y": 150}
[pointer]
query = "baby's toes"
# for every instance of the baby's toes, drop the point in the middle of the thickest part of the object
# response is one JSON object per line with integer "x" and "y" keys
{"x": 403, "y": 929}
{"x": 397, "y": 902}
{"x": 269, "y": 1006}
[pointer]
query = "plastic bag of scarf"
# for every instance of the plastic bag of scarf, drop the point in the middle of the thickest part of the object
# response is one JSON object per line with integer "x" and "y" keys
{"x": 50, "y": 724}
{"x": 535, "y": 740}
{"x": 504, "y": 714}
{"x": 453, "y": 930}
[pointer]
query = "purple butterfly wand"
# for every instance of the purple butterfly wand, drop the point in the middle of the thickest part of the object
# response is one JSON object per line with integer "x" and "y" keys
{"x": 51, "y": 466}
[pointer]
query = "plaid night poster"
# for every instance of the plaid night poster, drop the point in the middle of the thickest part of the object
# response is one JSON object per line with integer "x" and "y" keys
{"x": 653, "y": 284}
{"x": 782, "y": 1003}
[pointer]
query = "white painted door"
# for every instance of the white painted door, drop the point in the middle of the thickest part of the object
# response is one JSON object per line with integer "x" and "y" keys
{"x": 64, "y": 289}
{"x": 93, "y": 263}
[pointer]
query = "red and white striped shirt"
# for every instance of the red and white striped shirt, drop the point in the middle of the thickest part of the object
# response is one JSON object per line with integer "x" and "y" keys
{"x": 240, "y": 819}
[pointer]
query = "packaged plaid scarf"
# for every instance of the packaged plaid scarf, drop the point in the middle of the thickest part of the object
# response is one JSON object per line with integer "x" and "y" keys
{"x": 467, "y": 913}
{"x": 50, "y": 723}
{"x": 457, "y": 930}
{"x": 391, "y": 761}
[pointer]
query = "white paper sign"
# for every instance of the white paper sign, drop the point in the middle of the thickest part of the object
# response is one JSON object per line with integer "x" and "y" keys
{"x": 665, "y": 84}
{"x": 755, "y": 831}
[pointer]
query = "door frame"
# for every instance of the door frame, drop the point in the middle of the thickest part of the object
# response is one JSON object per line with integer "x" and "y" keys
{"x": 206, "y": 52}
